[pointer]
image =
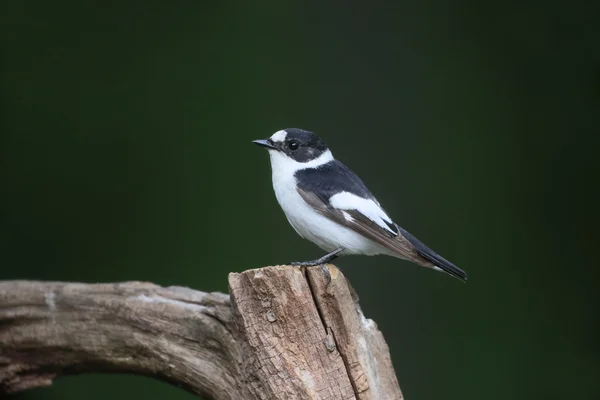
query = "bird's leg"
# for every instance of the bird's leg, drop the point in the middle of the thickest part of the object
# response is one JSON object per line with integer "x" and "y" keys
{"x": 327, "y": 258}
{"x": 323, "y": 260}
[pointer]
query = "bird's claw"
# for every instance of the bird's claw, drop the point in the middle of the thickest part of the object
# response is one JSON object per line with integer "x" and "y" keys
{"x": 305, "y": 264}
{"x": 327, "y": 274}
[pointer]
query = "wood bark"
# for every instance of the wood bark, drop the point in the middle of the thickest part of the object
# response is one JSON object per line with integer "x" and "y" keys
{"x": 282, "y": 334}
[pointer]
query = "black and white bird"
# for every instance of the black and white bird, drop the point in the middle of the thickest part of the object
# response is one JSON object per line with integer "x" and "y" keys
{"x": 328, "y": 204}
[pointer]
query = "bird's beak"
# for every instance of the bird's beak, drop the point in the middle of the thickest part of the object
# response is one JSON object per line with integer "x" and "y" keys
{"x": 265, "y": 143}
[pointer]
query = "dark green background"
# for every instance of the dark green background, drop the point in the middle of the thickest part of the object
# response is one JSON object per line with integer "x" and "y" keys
{"x": 126, "y": 155}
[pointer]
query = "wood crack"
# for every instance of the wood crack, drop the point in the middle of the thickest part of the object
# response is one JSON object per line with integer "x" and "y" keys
{"x": 329, "y": 330}
{"x": 355, "y": 337}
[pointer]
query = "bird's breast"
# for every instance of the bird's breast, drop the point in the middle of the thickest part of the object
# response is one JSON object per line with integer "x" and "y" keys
{"x": 315, "y": 227}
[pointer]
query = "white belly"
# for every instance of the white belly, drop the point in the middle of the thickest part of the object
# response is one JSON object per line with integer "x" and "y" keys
{"x": 315, "y": 227}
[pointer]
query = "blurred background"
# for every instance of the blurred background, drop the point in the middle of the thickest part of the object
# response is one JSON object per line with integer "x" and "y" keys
{"x": 125, "y": 154}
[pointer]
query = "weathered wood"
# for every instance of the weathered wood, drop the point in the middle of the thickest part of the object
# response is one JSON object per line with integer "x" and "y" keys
{"x": 48, "y": 329}
{"x": 361, "y": 345}
{"x": 282, "y": 335}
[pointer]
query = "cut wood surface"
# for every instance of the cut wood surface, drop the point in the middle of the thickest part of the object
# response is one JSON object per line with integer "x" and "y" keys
{"x": 282, "y": 334}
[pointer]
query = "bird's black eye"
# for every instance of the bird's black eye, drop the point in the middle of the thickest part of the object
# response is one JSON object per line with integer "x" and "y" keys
{"x": 293, "y": 145}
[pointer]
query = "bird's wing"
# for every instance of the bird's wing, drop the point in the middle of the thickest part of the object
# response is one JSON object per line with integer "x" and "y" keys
{"x": 367, "y": 218}
{"x": 365, "y": 221}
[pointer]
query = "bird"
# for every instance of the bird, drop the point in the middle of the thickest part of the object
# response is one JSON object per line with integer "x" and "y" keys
{"x": 329, "y": 205}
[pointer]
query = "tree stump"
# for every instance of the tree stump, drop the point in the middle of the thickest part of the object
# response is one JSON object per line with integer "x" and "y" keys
{"x": 282, "y": 334}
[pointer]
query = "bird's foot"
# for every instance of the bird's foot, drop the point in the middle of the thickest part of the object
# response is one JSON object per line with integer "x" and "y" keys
{"x": 327, "y": 258}
{"x": 312, "y": 263}
{"x": 305, "y": 264}
{"x": 327, "y": 274}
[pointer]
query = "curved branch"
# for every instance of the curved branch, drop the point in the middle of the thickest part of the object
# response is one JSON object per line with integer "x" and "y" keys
{"x": 280, "y": 336}
{"x": 175, "y": 334}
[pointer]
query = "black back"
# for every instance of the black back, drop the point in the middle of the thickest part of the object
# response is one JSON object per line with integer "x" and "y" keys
{"x": 329, "y": 179}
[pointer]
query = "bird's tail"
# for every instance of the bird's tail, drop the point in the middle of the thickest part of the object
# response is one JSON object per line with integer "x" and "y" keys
{"x": 431, "y": 256}
{"x": 442, "y": 264}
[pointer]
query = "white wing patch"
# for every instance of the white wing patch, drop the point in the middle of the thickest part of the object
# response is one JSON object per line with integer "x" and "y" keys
{"x": 347, "y": 216}
{"x": 367, "y": 207}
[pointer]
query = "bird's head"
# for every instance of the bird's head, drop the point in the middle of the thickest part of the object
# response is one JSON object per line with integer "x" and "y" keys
{"x": 296, "y": 148}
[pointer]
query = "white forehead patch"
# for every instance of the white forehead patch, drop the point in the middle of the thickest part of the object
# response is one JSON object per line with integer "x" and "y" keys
{"x": 279, "y": 136}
